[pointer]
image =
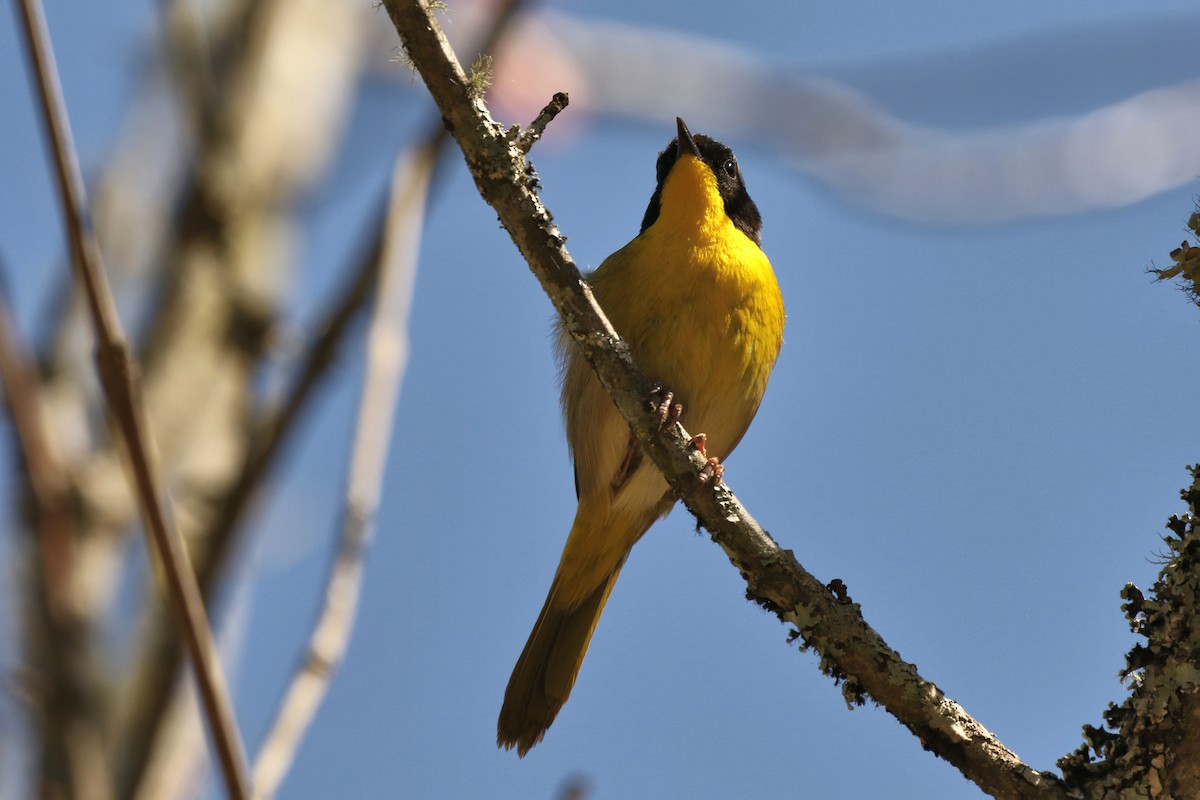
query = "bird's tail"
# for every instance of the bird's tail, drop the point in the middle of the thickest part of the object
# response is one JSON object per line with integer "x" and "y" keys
{"x": 549, "y": 664}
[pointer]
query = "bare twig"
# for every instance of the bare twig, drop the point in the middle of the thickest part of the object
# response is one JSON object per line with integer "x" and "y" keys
{"x": 119, "y": 379}
{"x": 213, "y": 547}
{"x": 530, "y": 135}
{"x": 274, "y": 432}
{"x": 826, "y": 620}
{"x": 212, "y": 324}
{"x": 387, "y": 357}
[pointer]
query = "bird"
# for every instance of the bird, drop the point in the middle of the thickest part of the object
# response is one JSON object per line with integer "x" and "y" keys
{"x": 697, "y": 301}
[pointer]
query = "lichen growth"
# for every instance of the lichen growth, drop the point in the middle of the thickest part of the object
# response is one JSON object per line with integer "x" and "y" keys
{"x": 479, "y": 79}
{"x": 1141, "y": 749}
{"x": 1187, "y": 263}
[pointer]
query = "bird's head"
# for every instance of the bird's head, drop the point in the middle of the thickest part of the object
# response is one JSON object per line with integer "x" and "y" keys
{"x": 699, "y": 181}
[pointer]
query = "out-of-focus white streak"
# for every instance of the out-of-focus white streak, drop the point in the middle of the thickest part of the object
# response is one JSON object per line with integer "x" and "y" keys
{"x": 1114, "y": 156}
{"x": 1110, "y": 156}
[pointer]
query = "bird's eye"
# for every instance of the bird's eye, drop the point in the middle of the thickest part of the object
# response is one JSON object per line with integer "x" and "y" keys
{"x": 730, "y": 167}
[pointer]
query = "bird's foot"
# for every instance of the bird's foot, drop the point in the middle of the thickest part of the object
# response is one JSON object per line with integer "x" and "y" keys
{"x": 713, "y": 470}
{"x": 668, "y": 412}
{"x": 665, "y": 409}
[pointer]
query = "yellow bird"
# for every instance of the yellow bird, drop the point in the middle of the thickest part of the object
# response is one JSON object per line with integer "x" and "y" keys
{"x": 695, "y": 298}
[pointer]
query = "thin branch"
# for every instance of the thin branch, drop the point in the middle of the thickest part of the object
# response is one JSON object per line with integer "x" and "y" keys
{"x": 211, "y": 327}
{"x": 387, "y": 358}
{"x": 826, "y": 619}
{"x": 314, "y": 366}
{"x": 534, "y": 132}
{"x": 119, "y": 380}
{"x": 275, "y": 432}
{"x": 213, "y": 547}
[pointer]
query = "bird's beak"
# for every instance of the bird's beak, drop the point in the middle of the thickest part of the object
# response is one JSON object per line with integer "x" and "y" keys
{"x": 685, "y": 143}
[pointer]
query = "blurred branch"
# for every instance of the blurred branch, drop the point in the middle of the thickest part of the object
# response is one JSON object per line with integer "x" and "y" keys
{"x": 57, "y": 639}
{"x": 189, "y": 55}
{"x": 851, "y": 651}
{"x": 270, "y": 435}
{"x": 216, "y": 545}
{"x": 575, "y": 787}
{"x": 119, "y": 379}
{"x": 387, "y": 357}
{"x": 277, "y": 62}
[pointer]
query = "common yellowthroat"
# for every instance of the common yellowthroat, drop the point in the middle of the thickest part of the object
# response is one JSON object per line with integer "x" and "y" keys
{"x": 696, "y": 300}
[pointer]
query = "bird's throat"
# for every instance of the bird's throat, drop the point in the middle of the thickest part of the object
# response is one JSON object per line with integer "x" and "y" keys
{"x": 691, "y": 204}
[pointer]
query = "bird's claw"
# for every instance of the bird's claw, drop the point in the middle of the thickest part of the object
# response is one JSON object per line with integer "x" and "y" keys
{"x": 713, "y": 470}
{"x": 667, "y": 411}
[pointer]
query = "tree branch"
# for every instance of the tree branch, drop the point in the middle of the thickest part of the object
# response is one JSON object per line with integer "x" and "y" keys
{"x": 213, "y": 546}
{"x": 1152, "y": 739}
{"x": 825, "y": 618}
{"x": 1187, "y": 263}
{"x": 387, "y": 358}
{"x": 226, "y": 267}
{"x": 118, "y": 377}
{"x": 58, "y": 639}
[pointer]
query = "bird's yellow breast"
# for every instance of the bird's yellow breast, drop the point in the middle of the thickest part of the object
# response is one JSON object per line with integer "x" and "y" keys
{"x": 698, "y": 303}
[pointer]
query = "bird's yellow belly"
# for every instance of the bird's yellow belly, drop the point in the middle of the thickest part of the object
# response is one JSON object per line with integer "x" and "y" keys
{"x": 706, "y": 324}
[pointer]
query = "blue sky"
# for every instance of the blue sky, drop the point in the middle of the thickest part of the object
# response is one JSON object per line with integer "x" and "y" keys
{"x": 976, "y": 425}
